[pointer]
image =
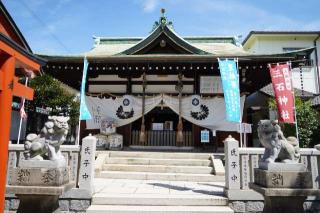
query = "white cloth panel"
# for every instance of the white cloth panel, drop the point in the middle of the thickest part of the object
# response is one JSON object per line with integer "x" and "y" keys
{"x": 122, "y": 110}
{"x": 211, "y": 114}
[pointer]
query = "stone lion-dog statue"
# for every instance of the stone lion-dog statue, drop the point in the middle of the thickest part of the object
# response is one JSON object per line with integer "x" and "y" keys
{"x": 46, "y": 145}
{"x": 277, "y": 147}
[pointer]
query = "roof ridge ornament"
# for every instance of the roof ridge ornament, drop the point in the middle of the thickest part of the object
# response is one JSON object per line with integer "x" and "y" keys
{"x": 163, "y": 21}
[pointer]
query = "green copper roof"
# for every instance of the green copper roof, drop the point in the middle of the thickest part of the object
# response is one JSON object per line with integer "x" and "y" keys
{"x": 190, "y": 44}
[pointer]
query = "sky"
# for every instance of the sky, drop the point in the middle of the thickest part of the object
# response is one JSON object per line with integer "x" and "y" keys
{"x": 68, "y": 26}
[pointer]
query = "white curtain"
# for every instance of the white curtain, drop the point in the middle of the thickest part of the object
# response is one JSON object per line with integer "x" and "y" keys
{"x": 122, "y": 110}
{"x": 205, "y": 112}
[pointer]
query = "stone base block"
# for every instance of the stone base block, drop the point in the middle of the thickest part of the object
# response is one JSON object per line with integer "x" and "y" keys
{"x": 102, "y": 142}
{"x": 39, "y": 176}
{"x": 282, "y": 179}
{"x": 40, "y": 190}
{"x": 278, "y": 200}
{"x": 43, "y": 164}
{"x": 115, "y": 142}
{"x": 275, "y": 166}
{"x": 39, "y": 203}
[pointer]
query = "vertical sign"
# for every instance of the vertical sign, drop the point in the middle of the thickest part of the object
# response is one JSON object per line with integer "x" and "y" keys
{"x": 283, "y": 91}
{"x": 230, "y": 84}
{"x": 232, "y": 164}
{"x": 86, "y": 172}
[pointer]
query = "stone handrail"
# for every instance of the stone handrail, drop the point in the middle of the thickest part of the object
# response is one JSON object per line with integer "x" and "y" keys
{"x": 240, "y": 164}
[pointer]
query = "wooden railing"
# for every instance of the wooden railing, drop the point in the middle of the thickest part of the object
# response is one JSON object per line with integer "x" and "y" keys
{"x": 240, "y": 164}
{"x": 162, "y": 138}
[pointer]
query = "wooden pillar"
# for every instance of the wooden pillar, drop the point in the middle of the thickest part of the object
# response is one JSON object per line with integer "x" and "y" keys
{"x": 6, "y": 92}
{"x": 179, "y": 139}
{"x": 129, "y": 85}
{"x": 142, "y": 136}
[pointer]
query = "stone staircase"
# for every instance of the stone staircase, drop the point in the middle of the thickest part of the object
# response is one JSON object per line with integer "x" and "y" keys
{"x": 158, "y": 182}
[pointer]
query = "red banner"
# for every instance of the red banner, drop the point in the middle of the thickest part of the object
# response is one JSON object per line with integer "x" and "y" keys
{"x": 283, "y": 91}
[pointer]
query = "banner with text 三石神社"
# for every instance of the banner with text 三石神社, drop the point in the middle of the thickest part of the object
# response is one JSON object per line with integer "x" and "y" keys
{"x": 283, "y": 91}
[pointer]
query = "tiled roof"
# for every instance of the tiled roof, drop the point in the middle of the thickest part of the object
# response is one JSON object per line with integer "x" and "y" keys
{"x": 298, "y": 92}
{"x": 216, "y": 46}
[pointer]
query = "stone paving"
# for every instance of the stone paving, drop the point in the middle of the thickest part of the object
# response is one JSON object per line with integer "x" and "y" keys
{"x": 124, "y": 186}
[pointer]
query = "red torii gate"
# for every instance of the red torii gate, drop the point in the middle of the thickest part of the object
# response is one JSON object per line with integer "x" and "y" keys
{"x": 12, "y": 56}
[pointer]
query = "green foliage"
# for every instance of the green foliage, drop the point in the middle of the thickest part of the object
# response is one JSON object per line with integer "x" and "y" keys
{"x": 49, "y": 93}
{"x": 307, "y": 118}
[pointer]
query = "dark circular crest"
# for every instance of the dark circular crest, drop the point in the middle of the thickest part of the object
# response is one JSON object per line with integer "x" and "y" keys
{"x": 201, "y": 115}
{"x": 126, "y": 102}
{"x": 124, "y": 115}
{"x": 195, "y": 101}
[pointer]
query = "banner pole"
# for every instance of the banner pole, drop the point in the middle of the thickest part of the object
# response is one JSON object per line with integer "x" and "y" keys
{"x": 78, "y": 133}
{"x": 294, "y": 104}
{"x": 240, "y": 123}
{"x": 20, "y": 123}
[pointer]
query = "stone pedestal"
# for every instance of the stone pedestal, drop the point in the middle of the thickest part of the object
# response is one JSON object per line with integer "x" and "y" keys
{"x": 102, "y": 142}
{"x": 115, "y": 142}
{"x": 39, "y": 176}
{"x": 38, "y": 185}
{"x": 279, "y": 200}
{"x": 40, "y": 199}
{"x": 284, "y": 186}
{"x": 282, "y": 179}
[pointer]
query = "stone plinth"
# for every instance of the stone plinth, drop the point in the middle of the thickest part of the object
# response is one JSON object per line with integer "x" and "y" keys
{"x": 279, "y": 200}
{"x": 39, "y": 176}
{"x": 282, "y": 179}
{"x": 40, "y": 199}
{"x": 38, "y": 185}
{"x": 102, "y": 142}
{"x": 283, "y": 186}
{"x": 115, "y": 142}
{"x": 276, "y": 167}
{"x": 43, "y": 163}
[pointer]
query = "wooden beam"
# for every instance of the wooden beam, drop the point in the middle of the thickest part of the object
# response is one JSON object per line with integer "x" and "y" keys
{"x": 22, "y": 91}
{"x": 28, "y": 63}
{"x": 138, "y": 82}
{"x": 7, "y": 69}
{"x": 1, "y": 80}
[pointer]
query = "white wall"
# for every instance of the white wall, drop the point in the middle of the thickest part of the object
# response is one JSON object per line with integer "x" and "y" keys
{"x": 275, "y": 44}
{"x": 270, "y": 45}
{"x": 308, "y": 79}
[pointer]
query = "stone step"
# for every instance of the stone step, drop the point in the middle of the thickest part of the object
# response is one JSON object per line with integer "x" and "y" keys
{"x": 158, "y": 209}
{"x": 152, "y": 161}
{"x": 158, "y": 199}
{"x": 159, "y": 168}
{"x": 161, "y": 155}
{"x": 161, "y": 176}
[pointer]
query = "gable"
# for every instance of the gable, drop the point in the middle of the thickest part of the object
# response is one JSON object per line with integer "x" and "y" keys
{"x": 163, "y": 40}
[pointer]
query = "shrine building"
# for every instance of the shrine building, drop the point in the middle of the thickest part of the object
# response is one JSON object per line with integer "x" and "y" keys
{"x": 165, "y": 84}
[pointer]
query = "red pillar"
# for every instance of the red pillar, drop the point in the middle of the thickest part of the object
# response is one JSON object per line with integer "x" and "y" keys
{"x": 7, "y": 70}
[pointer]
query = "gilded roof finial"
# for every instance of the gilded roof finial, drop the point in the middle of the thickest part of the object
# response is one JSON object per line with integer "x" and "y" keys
{"x": 163, "y": 11}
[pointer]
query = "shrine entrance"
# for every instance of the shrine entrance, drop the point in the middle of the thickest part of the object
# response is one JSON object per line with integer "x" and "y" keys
{"x": 161, "y": 124}
{"x": 14, "y": 60}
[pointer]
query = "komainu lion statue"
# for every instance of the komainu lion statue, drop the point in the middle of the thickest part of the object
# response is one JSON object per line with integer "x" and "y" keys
{"x": 277, "y": 147}
{"x": 46, "y": 145}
